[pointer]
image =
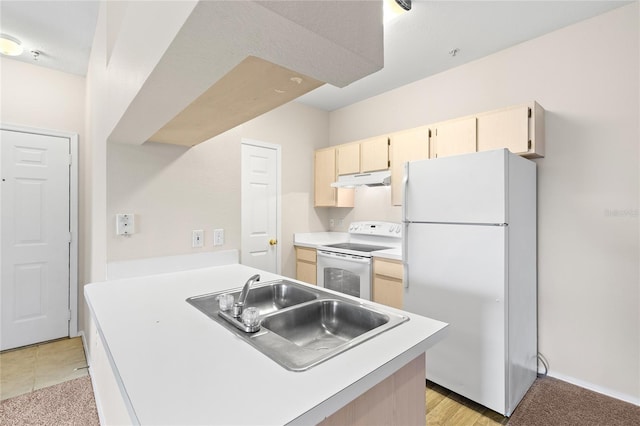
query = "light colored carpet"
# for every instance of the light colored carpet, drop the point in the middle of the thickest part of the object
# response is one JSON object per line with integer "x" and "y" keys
{"x": 548, "y": 402}
{"x": 67, "y": 403}
{"x": 554, "y": 402}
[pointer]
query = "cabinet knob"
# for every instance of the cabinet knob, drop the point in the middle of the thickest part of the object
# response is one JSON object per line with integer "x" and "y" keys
{"x": 273, "y": 242}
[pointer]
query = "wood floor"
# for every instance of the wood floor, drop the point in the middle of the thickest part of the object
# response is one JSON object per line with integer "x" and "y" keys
{"x": 26, "y": 369}
{"x": 445, "y": 408}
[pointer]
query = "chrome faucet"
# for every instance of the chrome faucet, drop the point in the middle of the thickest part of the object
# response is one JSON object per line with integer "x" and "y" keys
{"x": 239, "y": 305}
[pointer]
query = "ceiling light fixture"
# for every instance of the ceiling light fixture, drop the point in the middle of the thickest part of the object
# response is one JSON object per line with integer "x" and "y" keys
{"x": 10, "y": 46}
{"x": 393, "y": 8}
{"x": 405, "y": 4}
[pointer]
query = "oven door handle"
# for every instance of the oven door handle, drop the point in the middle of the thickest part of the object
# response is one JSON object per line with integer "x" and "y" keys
{"x": 345, "y": 257}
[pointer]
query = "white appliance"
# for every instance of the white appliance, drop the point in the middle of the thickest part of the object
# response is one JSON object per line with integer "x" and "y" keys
{"x": 469, "y": 253}
{"x": 346, "y": 267}
{"x": 380, "y": 178}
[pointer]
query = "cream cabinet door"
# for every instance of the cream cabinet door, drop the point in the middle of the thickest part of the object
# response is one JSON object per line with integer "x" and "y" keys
{"x": 374, "y": 154}
{"x": 518, "y": 128}
{"x": 325, "y": 174}
{"x": 306, "y": 264}
{"x": 406, "y": 146}
{"x": 455, "y": 137}
{"x": 507, "y": 128}
{"x": 387, "y": 282}
{"x": 348, "y": 158}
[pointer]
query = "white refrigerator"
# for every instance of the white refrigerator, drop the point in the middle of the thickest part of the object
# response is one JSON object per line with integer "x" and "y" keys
{"x": 469, "y": 253}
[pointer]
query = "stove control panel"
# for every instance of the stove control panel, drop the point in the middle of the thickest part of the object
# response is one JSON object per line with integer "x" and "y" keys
{"x": 382, "y": 229}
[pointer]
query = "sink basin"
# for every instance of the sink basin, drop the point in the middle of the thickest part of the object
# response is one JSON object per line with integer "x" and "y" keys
{"x": 302, "y": 326}
{"x": 270, "y": 298}
{"x": 325, "y": 324}
{"x": 267, "y": 297}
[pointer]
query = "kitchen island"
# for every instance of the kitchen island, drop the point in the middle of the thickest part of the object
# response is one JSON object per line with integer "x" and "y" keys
{"x": 154, "y": 359}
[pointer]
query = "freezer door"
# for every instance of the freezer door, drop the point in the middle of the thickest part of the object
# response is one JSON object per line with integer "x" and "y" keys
{"x": 456, "y": 274}
{"x": 469, "y": 188}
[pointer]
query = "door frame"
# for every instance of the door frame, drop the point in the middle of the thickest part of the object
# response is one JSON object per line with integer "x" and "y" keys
{"x": 278, "y": 149}
{"x": 73, "y": 213}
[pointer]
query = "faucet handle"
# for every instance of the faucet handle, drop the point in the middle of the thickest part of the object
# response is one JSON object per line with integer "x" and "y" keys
{"x": 251, "y": 317}
{"x": 225, "y": 301}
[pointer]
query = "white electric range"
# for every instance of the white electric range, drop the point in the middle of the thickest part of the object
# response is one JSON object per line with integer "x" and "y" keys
{"x": 347, "y": 267}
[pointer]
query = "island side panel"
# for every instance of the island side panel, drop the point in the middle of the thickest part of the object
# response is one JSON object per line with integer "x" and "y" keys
{"x": 397, "y": 400}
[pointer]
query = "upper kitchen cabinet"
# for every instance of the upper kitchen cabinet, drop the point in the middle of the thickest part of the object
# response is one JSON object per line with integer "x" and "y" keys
{"x": 454, "y": 137}
{"x": 325, "y": 173}
{"x": 348, "y": 158}
{"x": 519, "y": 128}
{"x": 374, "y": 154}
{"x": 368, "y": 155}
{"x": 184, "y": 72}
{"x": 408, "y": 145}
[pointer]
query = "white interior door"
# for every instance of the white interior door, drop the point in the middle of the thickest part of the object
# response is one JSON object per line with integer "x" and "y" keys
{"x": 260, "y": 206}
{"x": 35, "y": 228}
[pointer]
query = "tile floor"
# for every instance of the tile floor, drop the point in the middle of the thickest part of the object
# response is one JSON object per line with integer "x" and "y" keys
{"x": 35, "y": 367}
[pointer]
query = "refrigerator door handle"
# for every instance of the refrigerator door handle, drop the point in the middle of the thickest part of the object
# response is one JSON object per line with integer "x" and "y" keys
{"x": 405, "y": 255}
{"x": 405, "y": 231}
{"x": 405, "y": 183}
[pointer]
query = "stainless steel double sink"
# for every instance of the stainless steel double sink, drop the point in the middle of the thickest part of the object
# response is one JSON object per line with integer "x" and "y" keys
{"x": 302, "y": 326}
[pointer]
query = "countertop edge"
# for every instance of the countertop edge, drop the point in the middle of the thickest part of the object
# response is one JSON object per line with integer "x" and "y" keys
{"x": 353, "y": 391}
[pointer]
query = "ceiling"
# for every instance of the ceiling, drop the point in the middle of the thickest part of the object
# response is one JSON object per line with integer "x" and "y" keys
{"x": 417, "y": 43}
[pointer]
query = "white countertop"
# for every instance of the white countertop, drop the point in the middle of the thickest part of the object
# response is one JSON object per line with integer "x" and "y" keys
{"x": 317, "y": 239}
{"x": 177, "y": 366}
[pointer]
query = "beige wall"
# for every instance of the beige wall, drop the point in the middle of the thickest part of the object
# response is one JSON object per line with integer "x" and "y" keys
{"x": 38, "y": 97}
{"x": 586, "y": 77}
{"x": 173, "y": 190}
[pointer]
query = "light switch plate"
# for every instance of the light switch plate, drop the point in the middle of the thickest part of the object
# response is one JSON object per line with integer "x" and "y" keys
{"x": 197, "y": 238}
{"x": 218, "y": 237}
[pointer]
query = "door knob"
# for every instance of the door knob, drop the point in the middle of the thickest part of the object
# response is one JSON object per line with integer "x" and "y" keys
{"x": 273, "y": 242}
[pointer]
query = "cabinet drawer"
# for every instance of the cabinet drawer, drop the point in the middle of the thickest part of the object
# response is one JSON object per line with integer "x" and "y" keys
{"x": 306, "y": 254}
{"x": 388, "y": 268}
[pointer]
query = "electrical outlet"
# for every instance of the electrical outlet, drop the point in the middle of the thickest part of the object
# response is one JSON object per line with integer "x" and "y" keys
{"x": 125, "y": 224}
{"x": 218, "y": 237}
{"x": 332, "y": 223}
{"x": 197, "y": 238}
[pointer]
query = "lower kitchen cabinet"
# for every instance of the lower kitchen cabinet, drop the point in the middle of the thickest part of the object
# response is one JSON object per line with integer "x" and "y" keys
{"x": 306, "y": 264}
{"x": 387, "y": 282}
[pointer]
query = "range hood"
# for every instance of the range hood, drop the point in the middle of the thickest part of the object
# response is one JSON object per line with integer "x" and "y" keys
{"x": 381, "y": 178}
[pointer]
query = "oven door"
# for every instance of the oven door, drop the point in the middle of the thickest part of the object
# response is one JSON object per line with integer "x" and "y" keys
{"x": 345, "y": 273}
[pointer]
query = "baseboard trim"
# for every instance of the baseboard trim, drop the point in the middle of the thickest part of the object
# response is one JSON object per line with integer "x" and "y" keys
{"x": 84, "y": 345}
{"x": 596, "y": 388}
